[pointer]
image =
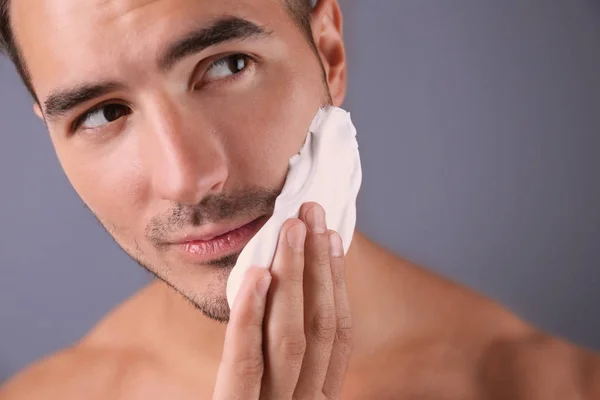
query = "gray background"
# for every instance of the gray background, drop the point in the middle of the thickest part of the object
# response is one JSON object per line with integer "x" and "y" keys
{"x": 478, "y": 129}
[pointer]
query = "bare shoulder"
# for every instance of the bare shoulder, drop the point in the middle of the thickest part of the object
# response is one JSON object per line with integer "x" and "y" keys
{"x": 518, "y": 361}
{"x": 539, "y": 366}
{"x": 65, "y": 375}
{"x": 494, "y": 353}
{"x": 93, "y": 373}
{"x": 101, "y": 365}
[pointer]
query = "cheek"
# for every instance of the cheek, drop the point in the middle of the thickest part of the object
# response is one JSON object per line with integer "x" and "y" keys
{"x": 267, "y": 124}
{"x": 108, "y": 183}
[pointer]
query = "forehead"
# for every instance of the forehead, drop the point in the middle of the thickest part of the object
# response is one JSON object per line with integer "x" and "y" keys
{"x": 61, "y": 40}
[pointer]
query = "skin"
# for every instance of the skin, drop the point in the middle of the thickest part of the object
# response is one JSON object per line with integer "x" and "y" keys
{"x": 367, "y": 325}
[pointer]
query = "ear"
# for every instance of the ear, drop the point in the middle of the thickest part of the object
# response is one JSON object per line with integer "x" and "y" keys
{"x": 327, "y": 29}
{"x": 38, "y": 111}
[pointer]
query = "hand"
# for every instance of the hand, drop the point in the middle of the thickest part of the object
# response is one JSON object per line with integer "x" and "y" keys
{"x": 290, "y": 338}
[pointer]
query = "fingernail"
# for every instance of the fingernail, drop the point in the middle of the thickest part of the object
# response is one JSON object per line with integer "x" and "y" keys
{"x": 296, "y": 236}
{"x": 335, "y": 245}
{"x": 316, "y": 220}
{"x": 262, "y": 286}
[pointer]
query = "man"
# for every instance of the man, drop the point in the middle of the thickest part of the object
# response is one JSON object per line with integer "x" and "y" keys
{"x": 174, "y": 121}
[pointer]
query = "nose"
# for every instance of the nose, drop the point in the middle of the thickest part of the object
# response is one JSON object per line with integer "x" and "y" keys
{"x": 186, "y": 157}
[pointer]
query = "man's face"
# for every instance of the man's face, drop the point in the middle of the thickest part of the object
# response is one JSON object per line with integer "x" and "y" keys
{"x": 174, "y": 121}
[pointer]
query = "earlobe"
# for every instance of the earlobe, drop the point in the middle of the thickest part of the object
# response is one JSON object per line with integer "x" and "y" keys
{"x": 327, "y": 27}
{"x": 38, "y": 111}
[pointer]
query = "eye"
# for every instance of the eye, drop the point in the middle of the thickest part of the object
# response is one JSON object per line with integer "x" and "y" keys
{"x": 101, "y": 116}
{"x": 227, "y": 66}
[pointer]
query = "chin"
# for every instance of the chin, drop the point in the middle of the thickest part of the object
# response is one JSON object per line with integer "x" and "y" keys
{"x": 205, "y": 288}
{"x": 209, "y": 297}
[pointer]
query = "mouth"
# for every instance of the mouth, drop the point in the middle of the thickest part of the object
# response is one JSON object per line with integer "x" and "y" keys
{"x": 220, "y": 241}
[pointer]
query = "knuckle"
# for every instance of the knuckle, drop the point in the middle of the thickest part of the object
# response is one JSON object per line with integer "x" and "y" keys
{"x": 318, "y": 255}
{"x": 293, "y": 347}
{"x": 344, "y": 331}
{"x": 250, "y": 367}
{"x": 344, "y": 348}
{"x": 324, "y": 325}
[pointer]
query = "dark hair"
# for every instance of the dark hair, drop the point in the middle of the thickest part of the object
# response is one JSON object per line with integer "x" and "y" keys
{"x": 9, "y": 46}
{"x": 299, "y": 11}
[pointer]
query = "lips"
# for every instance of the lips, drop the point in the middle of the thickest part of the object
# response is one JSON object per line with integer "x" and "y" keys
{"x": 220, "y": 241}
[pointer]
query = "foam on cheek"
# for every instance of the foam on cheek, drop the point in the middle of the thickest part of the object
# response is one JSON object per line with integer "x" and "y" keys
{"x": 327, "y": 170}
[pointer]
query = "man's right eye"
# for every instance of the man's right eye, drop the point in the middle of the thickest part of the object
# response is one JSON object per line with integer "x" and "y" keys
{"x": 101, "y": 116}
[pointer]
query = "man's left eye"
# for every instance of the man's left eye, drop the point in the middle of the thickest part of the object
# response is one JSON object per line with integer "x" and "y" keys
{"x": 227, "y": 66}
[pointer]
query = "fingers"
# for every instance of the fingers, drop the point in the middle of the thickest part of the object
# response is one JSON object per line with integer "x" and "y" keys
{"x": 319, "y": 306}
{"x": 241, "y": 369}
{"x": 284, "y": 330}
{"x": 295, "y": 343}
{"x": 342, "y": 345}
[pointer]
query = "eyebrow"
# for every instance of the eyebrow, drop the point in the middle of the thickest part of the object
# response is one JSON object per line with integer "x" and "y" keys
{"x": 59, "y": 102}
{"x": 222, "y": 30}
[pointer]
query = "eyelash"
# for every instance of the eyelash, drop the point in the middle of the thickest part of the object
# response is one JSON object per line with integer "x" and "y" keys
{"x": 76, "y": 125}
{"x": 79, "y": 120}
{"x": 250, "y": 62}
